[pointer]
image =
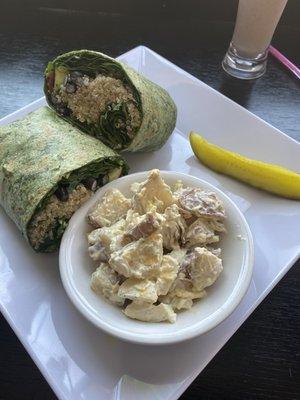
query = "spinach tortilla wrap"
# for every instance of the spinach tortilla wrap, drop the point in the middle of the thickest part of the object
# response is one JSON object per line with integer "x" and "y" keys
{"x": 107, "y": 99}
{"x": 48, "y": 169}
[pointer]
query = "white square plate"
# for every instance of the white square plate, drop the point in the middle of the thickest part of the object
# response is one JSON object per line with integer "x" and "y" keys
{"x": 79, "y": 361}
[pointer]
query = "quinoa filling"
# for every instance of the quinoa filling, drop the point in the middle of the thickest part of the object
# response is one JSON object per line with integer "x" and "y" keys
{"x": 49, "y": 222}
{"x": 104, "y": 103}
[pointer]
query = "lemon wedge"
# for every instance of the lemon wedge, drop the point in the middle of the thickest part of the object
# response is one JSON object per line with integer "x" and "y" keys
{"x": 269, "y": 177}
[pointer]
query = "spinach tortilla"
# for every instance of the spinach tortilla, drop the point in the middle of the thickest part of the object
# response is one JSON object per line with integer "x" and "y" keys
{"x": 110, "y": 101}
{"x": 48, "y": 169}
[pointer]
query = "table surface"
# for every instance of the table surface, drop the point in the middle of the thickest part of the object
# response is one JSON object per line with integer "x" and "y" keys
{"x": 261, "y": 361}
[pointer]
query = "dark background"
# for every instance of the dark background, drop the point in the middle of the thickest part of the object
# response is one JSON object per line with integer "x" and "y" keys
{"x": 261, "y": 361}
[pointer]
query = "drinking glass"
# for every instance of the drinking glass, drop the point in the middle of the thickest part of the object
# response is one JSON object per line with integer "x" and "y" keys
{"x": 255, "y": 24}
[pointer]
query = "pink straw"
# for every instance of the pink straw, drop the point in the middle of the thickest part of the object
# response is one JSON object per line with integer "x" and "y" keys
{"x": 285, "y": 61}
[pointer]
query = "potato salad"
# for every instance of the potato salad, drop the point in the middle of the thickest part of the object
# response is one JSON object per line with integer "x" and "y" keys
{"x": 157, "y": 251}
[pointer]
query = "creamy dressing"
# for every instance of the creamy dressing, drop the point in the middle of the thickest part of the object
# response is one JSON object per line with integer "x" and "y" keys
{"x": 152, "y": 248}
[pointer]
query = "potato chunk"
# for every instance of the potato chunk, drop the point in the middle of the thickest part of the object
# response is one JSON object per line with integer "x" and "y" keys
{"x": 203, "y": 231}
{"x": 138, "y": 289}
{"x": 204, "y": 268}
{"x": 152, "y": 193}
{"x": 113, "y": 206}
{"x": 105, "y": 281}
{"x": 167, "y": 274}
{"x": 150, "y": 313}
{"x": 140, "y": 259}
{"x": 201, "y": 203}
{"x": 173, "y": 228}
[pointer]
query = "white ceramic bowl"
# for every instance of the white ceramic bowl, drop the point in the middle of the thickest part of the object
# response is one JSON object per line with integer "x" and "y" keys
{"x": 223, "y": 297}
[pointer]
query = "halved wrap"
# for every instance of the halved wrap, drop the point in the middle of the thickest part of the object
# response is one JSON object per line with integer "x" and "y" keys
{"x": 48, "y": 169}
{"x": 109, "y": 100}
